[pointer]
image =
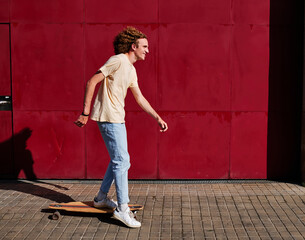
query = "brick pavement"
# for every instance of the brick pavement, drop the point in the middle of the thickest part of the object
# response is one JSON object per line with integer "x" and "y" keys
{"x": 207, "y": 210}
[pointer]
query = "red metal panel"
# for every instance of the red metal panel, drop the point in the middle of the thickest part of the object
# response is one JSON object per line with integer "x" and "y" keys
{"x": 121, "y": 11}
{"x": 194, "y": 67}
{"x": 250, "y": 63}
{"x": 196, "y": 146}
{"x": 50, "y": 146}
{"x": 5, "y": 82}
{"x": 6, "y": 144}
{"x": 249, "y": 145}
{"x": 251, "y": 11}
{"x": 55, "y": 11}
{"x": 99, "y": 48}
{"x": 97, "y": 158}
{"x": 47, "y": 66}
{"x": 206, "y": 58}
{"x": 142, "y": 135}
{"x": 208, "y": 11}
{"x": 4, "y": 11}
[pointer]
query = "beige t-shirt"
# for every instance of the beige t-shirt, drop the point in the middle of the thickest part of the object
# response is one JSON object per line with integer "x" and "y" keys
{"x": 109, "y": 103}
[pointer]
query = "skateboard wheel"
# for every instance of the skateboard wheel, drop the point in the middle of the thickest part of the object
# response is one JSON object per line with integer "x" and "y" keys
{"x": 135, "y": 214}
{"x": 56, "y": 215}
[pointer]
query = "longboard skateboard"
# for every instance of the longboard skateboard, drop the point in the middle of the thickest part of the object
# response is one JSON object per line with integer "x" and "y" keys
{"x": 85, "y": 207}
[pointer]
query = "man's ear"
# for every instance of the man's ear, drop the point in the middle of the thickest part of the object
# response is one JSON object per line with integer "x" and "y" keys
{"x": 133, "y": 46}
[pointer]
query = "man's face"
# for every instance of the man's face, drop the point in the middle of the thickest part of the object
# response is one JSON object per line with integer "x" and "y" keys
{"x": 141, "y": 48}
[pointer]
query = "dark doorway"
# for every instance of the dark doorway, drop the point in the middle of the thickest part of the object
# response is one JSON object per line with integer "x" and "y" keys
{"x": 285, "y": 89}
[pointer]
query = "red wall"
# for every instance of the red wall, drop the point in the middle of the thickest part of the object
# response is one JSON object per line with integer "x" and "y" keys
{"x": 206, "y": 74}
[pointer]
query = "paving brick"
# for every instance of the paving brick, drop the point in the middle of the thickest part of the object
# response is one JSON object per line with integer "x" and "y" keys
{"x": 250, "y": 210}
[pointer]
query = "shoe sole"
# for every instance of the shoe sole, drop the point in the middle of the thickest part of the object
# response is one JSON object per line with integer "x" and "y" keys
{"x": 99, "y": 206}
{"x": 121, "y": 220}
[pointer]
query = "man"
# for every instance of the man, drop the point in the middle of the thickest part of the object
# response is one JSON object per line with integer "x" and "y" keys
{"x": 116, "y": 76}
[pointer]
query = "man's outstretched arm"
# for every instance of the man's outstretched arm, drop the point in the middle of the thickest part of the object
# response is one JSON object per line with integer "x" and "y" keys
{"x": 144, "y": 104}
{"x": 90, "y": 87}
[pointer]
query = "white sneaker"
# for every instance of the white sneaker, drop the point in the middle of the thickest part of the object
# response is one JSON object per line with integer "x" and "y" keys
{"x": 105, "y": 203}
{"x": 127, "y": 218}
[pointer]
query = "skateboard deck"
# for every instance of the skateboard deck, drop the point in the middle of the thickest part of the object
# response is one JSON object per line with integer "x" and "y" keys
{"x": 85, "y": 207}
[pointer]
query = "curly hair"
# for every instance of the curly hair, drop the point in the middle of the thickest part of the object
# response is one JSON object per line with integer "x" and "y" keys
{"x": 123, "y": 41}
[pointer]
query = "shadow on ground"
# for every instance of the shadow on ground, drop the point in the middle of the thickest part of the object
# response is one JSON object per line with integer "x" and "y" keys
{"x": 103, "y": 217}
{"x": 32, "y": 188}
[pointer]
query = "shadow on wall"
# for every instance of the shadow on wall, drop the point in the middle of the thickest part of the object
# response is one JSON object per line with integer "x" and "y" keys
{"x": 15, "y": 157}
{"x": 21, "y": 159}
{"x": 285, "y": 89}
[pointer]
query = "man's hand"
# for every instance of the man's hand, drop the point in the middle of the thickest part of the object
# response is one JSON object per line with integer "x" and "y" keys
{"x": 163, "y": 125}
{"x": 81, "y": 121}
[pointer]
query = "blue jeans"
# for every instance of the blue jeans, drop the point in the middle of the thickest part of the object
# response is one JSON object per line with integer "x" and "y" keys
{"x": 115, "y": 138}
